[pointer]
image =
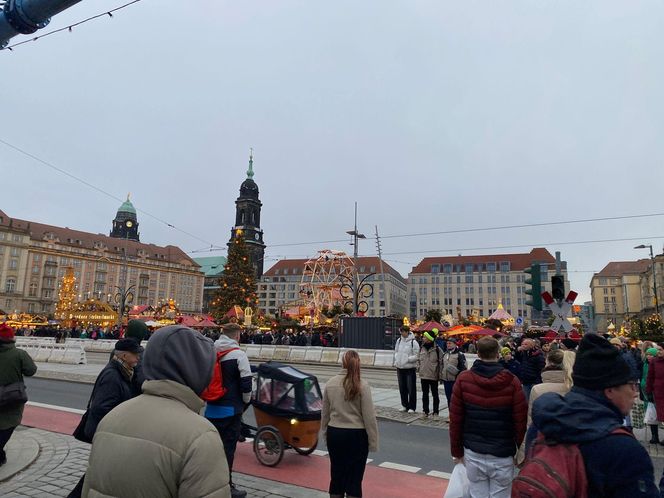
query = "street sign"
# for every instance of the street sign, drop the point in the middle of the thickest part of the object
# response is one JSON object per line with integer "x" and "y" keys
{"x": 519, "y": 321}
{"x": 560, "y": 311}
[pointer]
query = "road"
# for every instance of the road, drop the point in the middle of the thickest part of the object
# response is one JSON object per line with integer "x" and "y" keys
{"x": 416, "y": 446}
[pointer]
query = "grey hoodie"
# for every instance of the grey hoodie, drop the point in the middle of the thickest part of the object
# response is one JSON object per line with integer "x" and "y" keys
{"x": 182, "y": 355}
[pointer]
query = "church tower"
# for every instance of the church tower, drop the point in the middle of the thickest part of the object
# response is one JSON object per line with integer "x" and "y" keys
{"x": 125, "y": 224}
{"x": 248, "y": 219}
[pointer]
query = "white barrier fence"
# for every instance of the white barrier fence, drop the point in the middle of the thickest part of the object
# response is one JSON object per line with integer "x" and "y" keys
{"x": 45, "y": 350}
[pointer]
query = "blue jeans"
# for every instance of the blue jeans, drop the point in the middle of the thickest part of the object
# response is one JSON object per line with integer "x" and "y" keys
{"x": 489, "y": 476}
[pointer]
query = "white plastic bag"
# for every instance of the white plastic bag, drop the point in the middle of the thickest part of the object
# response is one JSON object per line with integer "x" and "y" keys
{"x": 650, "y": 418}
{"x": 458, "y": 487}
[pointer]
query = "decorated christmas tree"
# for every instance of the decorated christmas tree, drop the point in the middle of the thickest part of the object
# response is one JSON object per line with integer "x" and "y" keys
{"x": 66, "y": 296}
{"x": 238, "y": 283}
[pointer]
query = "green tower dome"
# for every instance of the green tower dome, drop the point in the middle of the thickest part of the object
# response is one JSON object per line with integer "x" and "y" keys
{"x": 127, "y": 207}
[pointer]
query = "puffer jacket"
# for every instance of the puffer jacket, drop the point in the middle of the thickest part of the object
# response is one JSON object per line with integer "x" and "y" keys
{"x": 430, "y": 363}
{"x": 617, "y": 465}
{"x": 488, "y": 411}
{"x": 236, "y": 372}
{"x": 14, "y": 364}
{"x": 454, "y": 362}
{"x": 156, "y": 445}
{"x": 532, "y": 364}
{"x": 406, "y": 352}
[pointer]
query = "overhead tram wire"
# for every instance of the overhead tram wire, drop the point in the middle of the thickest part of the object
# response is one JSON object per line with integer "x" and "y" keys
{"x": 101, "y": 191}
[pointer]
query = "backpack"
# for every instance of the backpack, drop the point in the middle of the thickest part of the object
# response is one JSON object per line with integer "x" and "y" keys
{"x": 216, "y": 390}
{"x": 554, "y": 470}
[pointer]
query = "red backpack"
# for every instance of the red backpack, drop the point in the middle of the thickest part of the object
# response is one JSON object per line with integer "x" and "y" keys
{"x": 216, "y": 390}
{"x": 554, "y": 470}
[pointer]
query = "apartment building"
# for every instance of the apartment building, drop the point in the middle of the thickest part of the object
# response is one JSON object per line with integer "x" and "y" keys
{"x": 279, "y": 287}
{"x": 477, "y": 284}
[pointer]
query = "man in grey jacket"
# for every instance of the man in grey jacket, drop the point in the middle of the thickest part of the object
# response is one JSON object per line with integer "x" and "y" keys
{"x": 406, "y": 351}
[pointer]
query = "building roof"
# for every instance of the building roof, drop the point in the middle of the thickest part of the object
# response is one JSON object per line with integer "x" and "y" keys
{"x": 519, "y": 261}
{"x": 100, "y": 242}
{"x": 619, "y": 268}
{"x": 127, "y": 207}
{"x": 295, "y": 267}
{"x": 212, "y": 265}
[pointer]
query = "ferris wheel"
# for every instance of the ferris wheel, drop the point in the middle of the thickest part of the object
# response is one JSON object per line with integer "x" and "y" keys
{"x": 323, "y": 277}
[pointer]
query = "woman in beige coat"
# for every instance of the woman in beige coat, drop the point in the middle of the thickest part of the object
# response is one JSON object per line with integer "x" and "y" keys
{"x": 350, "y": 427}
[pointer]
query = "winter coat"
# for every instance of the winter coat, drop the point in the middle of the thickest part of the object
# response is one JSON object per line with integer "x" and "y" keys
{"x": 343, "y": 414}
{"x": 513, "y": 366}
{"x": 617, "y": 465}
{"x": 430, "y": 363}
{"x": 655, "y": 385}
{"x": 14, "y": 364}
{"x": 156, "y": 445}
{"x": 532, "y": 364}
{"x": 406, "y": 352}
{"x": 629, "y": 356}
{"x": 488, "y": 411}
{"x": 454, "y": 362}
{"x": 553, "y": 381}
{"x": 236, "y": 373}
{"x": 111, "y": 389}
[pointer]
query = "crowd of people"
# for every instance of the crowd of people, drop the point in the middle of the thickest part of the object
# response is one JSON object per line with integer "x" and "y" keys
{"x": 289, "y": 337}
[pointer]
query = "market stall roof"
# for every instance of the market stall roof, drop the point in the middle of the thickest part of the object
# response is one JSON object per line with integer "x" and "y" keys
{"x": 485, "y": 332}
{"x": 236, "y": 311}
{"x": 461, "y": 329}
{"x": 429, "y": 326}
{"x": 207, "y": 323}
{"x": 501, "y": 314}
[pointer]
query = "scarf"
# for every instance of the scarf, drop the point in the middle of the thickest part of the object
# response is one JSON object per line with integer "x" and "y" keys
{"x": 127, "y": 371}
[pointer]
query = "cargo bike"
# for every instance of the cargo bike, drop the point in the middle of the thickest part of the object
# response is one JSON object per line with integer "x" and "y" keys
{"x": 287, "y": 403}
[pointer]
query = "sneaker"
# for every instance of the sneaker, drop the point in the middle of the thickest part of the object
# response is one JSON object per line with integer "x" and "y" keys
{"x": 237, "y": 493}
{"x": 403, "y": 409}
{"x": 435, "y": 416}
{"x": 411, "y": 411}
{"x": 426, "y": 415}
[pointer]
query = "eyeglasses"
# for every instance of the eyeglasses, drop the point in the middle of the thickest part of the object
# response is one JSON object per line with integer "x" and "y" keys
{"x": 634, "y": 384}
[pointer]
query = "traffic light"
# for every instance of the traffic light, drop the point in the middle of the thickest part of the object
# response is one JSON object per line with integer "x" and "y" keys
{"x": 558, "y": 287}
{"x": 535, "y": 282}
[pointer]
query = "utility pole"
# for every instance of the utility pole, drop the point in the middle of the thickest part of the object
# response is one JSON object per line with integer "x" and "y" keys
{"x": 354, "y": 233}
{"x": 386, "y": 295}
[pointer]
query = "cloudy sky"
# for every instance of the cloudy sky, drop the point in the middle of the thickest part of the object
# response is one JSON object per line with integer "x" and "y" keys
{"x": 432, "y": 115}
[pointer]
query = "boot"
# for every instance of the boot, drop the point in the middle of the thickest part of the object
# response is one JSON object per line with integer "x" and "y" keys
{"x": 654, "y": 432}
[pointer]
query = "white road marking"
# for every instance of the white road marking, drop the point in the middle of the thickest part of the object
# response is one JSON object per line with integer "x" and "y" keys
{"x": 398, "y": 466}
{"x": 369, "y": 460}
{"x": 442, "y": 475}
{"x": 55, "y": 407}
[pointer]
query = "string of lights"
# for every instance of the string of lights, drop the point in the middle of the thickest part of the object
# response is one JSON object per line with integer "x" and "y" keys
{"x": 70, "y": 27}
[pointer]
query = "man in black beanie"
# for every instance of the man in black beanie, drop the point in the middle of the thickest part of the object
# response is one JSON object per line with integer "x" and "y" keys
{"x": 604, "y": 390}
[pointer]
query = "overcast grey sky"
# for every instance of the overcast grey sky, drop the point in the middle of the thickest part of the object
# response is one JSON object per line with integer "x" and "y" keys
{"x": 433, "y": 115}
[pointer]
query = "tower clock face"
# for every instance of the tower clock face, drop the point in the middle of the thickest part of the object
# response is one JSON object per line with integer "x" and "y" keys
{"x": 257, "y": 236}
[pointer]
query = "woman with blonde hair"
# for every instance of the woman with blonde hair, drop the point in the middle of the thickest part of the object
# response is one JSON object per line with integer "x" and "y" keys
{"x": 349, "y": 425}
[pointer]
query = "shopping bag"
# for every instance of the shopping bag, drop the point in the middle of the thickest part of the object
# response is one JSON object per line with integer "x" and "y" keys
{"x": 650, "y": 417}
{"x": 458, "y": 485}
{"x": 638, "y": 412}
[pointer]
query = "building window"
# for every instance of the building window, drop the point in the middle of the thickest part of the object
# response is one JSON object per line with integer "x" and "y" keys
{"x": 469, "y": 269}
{"x": 606, "y": 290}
{"x": 13, "y": 264}
{"x": 32, "y": 291}
{"x": 435, "y": 268}
{"x": 447, "y": 268}
{"x": 504, "y": 266}
{"x": 491, "y": 267}
{"x": 10, "y": 285}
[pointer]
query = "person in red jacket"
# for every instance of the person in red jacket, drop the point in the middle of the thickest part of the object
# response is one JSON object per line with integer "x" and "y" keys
{"x": 487, "y": 422}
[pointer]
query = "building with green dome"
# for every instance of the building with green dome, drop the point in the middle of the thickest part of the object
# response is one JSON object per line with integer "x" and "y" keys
{"x": 125, "y": 224}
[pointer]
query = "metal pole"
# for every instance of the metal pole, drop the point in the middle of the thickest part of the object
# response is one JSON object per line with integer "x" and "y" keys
{"x": 654, "y": 281}
{"x": 558, "y": 264}
{"x": 355, "y": 289}
{"x": 386, "y": 296}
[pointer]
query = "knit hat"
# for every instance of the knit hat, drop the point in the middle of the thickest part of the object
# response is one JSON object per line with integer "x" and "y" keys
{"x": 6, "y": 333}
{"x": 569, "y": 344}
{"x": 652, "y": 351}
{"x": 428, "y": 336}
{"x": 435, "y": 331}
{"x": 505, "y": 351}
{"x": 128, "y": 344}
{"x": 136, "y": 329}
{"x": 599, "y": 365}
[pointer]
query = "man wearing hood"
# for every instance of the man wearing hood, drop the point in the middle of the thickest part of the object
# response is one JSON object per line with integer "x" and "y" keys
{"x": 406, "y": 352}
{"x": 604, "y": 390}
{"x": 487, "y": 422}
{"x": 226, "y": 413}
{"x": 157, "y": 444}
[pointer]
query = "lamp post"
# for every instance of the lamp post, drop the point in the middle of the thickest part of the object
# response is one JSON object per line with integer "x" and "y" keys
{"x": 654, "y": 275}
{"x": 124, "y": 296}
{"x": 356, "y": 285}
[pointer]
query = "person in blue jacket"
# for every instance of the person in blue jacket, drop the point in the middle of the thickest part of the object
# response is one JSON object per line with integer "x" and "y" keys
{"x": 604, "y": 390}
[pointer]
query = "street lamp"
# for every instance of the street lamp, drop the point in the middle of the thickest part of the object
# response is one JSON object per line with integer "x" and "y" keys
{"x": 654, "y": 276}
{"x": 356, "y": 285}
{"x": 124, "y": 296}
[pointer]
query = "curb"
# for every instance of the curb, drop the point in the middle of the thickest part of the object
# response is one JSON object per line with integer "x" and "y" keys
{"x": 21, "y": 449}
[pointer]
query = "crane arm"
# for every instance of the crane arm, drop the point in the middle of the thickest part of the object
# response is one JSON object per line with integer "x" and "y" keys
{"x": 27, "y": 16}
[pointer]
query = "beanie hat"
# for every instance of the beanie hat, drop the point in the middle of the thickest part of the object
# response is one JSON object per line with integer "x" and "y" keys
{"x": 652, "y": 351}
{"x": 435, "y": 331}
{"x": 505, "y": 351}
{"x": 128, "y": 344}
{"x": 136, "y": 329}
{"x": 428, "y": 336}
{"x": 599, "y": 365}
{"x": 6, "y": 333}
{"x": 570, "y": 344}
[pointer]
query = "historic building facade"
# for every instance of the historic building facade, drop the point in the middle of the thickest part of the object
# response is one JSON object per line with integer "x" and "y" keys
{"x": 34, "y": 257}
{"x": 248, "y": 220}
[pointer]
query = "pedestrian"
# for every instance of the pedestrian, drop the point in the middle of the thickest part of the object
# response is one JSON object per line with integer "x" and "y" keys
{"x": 430, "y": 367}
{"x": 157, "y": 444}
{"x": 454, "y": 362}
{"x": 14, "y": 364}
{"x": 655, "y": 383}
{"x": 507, "y": 361}
{"x": 348, "y": 421}
{"x": 532, "y": 363}
{"x": 649, "y": 356}
{"x": 226, "y": 413}
{"x": 487, "y": 422}
{"x": 406, "y": 352}
{"x": 569, "y": 344}
{"x": 590, "y": 416}
{"x": 634, "y": 365}
{"x": 440, "y": 341}
{"x": 113, "y": 386}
